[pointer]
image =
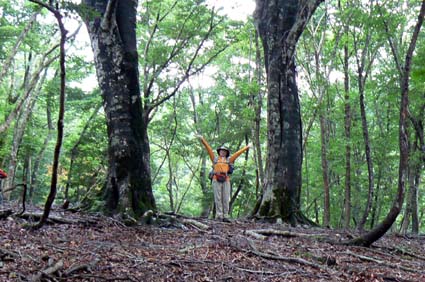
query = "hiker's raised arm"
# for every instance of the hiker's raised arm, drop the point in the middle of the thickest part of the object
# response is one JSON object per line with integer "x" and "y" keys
{"x": 238, "y": 153}
{"x": 207, "y": 146}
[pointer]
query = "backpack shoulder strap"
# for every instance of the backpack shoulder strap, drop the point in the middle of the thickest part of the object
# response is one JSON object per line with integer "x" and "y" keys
{"x": 216, "y": 160}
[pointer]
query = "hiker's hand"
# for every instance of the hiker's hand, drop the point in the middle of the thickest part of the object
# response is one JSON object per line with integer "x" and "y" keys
{"x": 197, "y": 135}
{"x": 249, "y": 145}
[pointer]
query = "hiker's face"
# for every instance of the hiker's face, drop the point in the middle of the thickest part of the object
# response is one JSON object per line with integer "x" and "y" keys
{"x": 223, "y": 153}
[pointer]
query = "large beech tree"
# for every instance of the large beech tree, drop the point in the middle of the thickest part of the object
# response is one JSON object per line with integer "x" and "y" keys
{"x": 176, "y": 45}
{"x": 280, "y": 24}
{"x": 112, "y": 31}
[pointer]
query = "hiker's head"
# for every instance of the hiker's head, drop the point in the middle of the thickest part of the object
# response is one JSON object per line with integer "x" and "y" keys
{"x": 223, "y": 151}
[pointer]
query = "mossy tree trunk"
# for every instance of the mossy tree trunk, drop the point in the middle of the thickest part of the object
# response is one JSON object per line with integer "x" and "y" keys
{"x": 113, "y": 36}
{"x": 280, "y": 24}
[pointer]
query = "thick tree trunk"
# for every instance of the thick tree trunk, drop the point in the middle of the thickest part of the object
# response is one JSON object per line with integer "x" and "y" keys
{"x": 113, "y": 37}
{"x": 280, "y": 24}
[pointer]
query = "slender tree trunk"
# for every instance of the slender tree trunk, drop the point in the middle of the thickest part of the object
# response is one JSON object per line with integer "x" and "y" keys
{"x": 409, "y": 201}
{"x": 280, "y": 24}
{"x": 206, "y": 190}
{"x": 370, "y": 237}
{"x": 242, "y": 182}
{"x": 376, "y": 207}
{"x": 33, "y": 87}
{"x": 411, "y": 210}
{"x": 61, "y": 114}
{"x": 369, "y": 161}
{"x": 347, "y": 130}
{"x": 21, "y": 38}
{"x": 414, "y": 201}
{"x": 75, "y": 151}
{"x": 363, "y": 69}
{"x": 170, "y": 181}
{"x": 113, "y": 37}
{"x": 325, "y": 172}
{"x": 40, "y": 155}
{"x": 347, "y": 127}
{"x": 416, "y": 163}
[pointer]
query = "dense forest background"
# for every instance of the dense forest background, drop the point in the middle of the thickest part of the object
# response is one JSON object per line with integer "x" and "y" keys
{"x": 205, "y": 74}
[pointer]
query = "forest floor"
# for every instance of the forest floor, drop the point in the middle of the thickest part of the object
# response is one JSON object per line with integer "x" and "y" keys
{"x": 82, "y": 247}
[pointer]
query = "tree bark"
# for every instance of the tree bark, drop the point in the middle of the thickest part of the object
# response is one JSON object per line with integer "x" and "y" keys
{"x": 113, "y": 38}
{"x": 280, "y": 24}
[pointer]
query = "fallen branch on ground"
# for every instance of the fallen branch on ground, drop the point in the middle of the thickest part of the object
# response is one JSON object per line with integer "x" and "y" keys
{"x": 262, "y": 234}
{"x": 195, "y": 223}
{"x": 369, "y": 259}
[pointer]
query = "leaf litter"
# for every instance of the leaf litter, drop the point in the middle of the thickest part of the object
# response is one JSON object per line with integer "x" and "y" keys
{"x": 87, "y": 247}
